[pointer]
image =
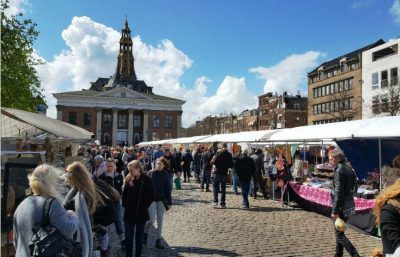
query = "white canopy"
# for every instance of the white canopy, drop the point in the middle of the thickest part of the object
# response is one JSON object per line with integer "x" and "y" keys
{"x": 158, "y": 142}
{"x": 375, "y": 127}
{"x": 383, "y": 127}
{"x": 187, "y": 140}
{"x": 17, "y": 123}
{"x": 247, "y": 136}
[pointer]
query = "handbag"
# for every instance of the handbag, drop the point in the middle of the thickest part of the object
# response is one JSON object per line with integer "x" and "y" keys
{"x": 47, "y": 241}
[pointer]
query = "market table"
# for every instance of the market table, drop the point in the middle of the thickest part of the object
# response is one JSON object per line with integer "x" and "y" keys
{"x": 319, "y": 200}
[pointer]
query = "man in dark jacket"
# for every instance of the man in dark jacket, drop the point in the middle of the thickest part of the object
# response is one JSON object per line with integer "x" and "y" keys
{"x": 186, "y": 160}
{"x": 222, "y": 161}
{"x": 343, "y": 201}
{"x": 172, "y": 165}
{"x": 205, "y": 167}
{"x": 245, "y": 169}
{"x": 257, "y": 177}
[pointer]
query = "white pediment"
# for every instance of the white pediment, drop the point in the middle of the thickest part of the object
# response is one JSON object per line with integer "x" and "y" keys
{"x": 122, "y": 92}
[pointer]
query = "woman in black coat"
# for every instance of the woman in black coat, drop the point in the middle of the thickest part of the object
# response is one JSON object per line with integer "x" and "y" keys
{"x": 137, "y": 196}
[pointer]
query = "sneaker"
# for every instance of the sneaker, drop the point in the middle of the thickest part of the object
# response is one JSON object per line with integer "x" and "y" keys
{"x": 214, "y": 204}
{"x": 223, "y": 206}
{"x": 159, "y": 245}
{"x": 245, "y": 207}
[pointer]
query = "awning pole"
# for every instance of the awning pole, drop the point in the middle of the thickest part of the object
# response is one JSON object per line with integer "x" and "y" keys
{"x": 380, "y": 164}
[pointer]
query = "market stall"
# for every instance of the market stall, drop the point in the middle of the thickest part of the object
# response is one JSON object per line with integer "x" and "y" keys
{"x": 27, "y": 140}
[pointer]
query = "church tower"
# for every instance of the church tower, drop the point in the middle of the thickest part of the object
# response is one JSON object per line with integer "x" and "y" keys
{"x": 125, "y": 68}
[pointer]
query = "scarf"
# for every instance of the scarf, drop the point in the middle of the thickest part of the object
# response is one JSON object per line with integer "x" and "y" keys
{"x": 85, "y": 227}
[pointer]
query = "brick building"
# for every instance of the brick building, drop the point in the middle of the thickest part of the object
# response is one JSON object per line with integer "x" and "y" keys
{"x": 122, "y": 109}
{"x": 334, "y": 88}
{"x": 284, "y": 111}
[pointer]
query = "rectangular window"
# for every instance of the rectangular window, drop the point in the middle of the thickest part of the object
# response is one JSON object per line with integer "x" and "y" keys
{"x": 107, "y": 120}
{"x": 319, "y": 92}
{"x": 351, "y": 103}
{"x": 314, "y": 93}
{"x": 155, "y": 136}
{"x": 315, "y": 109}
{"x": 391, "y": 50}
{"x": 168, "y": 121}
{"x": 335, "y": 72}
{"x": 343, "y": 67}
{"x": 168, "y": 135}
{"x": 72, "y": 118}
{"x": 384, "y": 78}
{"x": 322, "y": 91}
{"x": 323, "y": 108}
{"x": 394, "y": 79}
{"x": 340, "y": 86}
{"x": 353, "y": 66}
{"x": 375, "y": 80}
{"x": 136, "y": 121}
{"x": 332, "y": 108}
{"x": 87, "y": 119}
{"x": 346, "y": 85}
{"x": 122, "y": 121}
{"x": 336, "y": 87}
{"x": 156, "y": 121}
{"x": 319, "y": 109}
{"x": 350, "y": 84}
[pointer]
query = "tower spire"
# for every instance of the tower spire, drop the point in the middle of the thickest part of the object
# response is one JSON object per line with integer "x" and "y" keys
{"x": 125, "y": 67}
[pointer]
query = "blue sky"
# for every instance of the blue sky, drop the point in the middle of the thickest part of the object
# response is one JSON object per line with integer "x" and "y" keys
{"x": 210, "y": 46}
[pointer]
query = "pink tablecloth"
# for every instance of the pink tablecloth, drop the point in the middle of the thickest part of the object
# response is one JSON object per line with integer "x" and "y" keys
{"x": 323, "y": 196}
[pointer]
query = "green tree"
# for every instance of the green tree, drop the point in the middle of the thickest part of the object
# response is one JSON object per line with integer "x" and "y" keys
{"x": 20, "y": 84}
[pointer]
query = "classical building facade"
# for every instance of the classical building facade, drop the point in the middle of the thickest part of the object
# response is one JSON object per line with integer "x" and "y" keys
{"x": 122, "y": 109}
{"x": 380, "y": 75}
{"x": 335, "y": 88}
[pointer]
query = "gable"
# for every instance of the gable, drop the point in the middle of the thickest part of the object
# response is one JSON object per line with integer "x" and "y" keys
{"x": 122, "y": 92}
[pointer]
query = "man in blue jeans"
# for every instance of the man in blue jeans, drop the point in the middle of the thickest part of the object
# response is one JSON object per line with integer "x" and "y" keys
{"x": 222, "y": 161}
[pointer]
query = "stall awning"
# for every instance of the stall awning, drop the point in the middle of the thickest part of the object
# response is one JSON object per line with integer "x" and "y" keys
{"x": 15, "y": 122}
{"x": 247, "y": 136}
{"x": 375, "y": 127}
{"x": 187, "y": 140}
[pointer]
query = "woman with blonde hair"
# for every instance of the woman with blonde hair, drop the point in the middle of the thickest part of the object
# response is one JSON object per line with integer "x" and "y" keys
{"x": 43, "y": 182}
{"x": 83, "y": 199}
{"x": 387, "y": 212}
{"x": 137, "y": 196}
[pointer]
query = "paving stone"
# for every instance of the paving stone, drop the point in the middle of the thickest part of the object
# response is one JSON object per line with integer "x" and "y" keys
{"x": 193, "y": 228}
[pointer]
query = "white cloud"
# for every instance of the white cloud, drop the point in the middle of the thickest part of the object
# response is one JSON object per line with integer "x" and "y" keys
{"x": 290, "y": 74}
{"x": 16, "y": 7}
{"x": 395, "y": 11}
{"x": 92, "y": 52}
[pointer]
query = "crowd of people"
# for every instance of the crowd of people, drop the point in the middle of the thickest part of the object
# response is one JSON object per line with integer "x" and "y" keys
{"x": 131, "y": 187}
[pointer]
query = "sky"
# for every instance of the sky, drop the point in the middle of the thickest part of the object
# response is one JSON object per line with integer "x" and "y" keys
{"x": 217, "y": 55}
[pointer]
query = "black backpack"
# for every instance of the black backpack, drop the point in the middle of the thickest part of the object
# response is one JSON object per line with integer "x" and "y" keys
{"x": 47, "y": 241}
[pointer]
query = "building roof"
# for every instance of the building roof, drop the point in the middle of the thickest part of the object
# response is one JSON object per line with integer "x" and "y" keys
{"x": 93, "y": 93}
{"x": 350, "y": 55}
{"x": 14, "y": 120}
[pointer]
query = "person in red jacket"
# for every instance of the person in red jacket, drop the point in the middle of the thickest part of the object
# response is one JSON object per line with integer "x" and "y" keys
{"x": 137, "y": 196}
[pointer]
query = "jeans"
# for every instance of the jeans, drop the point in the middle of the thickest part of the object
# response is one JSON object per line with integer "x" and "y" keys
{"x": 235, "y": 182}
{"x": 156, "y": 209}
{"x": 119, "y": 226}
{"x": 171, "y": 179}
{"x": 220, "y": 179}
{"x": 130, "y": 231}
{"x": 205, "y": 178}
{"x": 343, "y": 242}
{"x": 245, "y": 186}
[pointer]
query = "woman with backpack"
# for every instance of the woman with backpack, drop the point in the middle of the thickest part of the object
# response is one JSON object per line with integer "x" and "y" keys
{"x": 137, "y": 196}
{"x": 43, "y": 182}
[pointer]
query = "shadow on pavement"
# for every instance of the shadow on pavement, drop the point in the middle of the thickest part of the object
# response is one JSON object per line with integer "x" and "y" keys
{"x": 178, "y": 250}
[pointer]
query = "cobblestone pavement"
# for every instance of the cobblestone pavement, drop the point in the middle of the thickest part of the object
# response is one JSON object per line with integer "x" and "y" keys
{"x": 193, "y": 228}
